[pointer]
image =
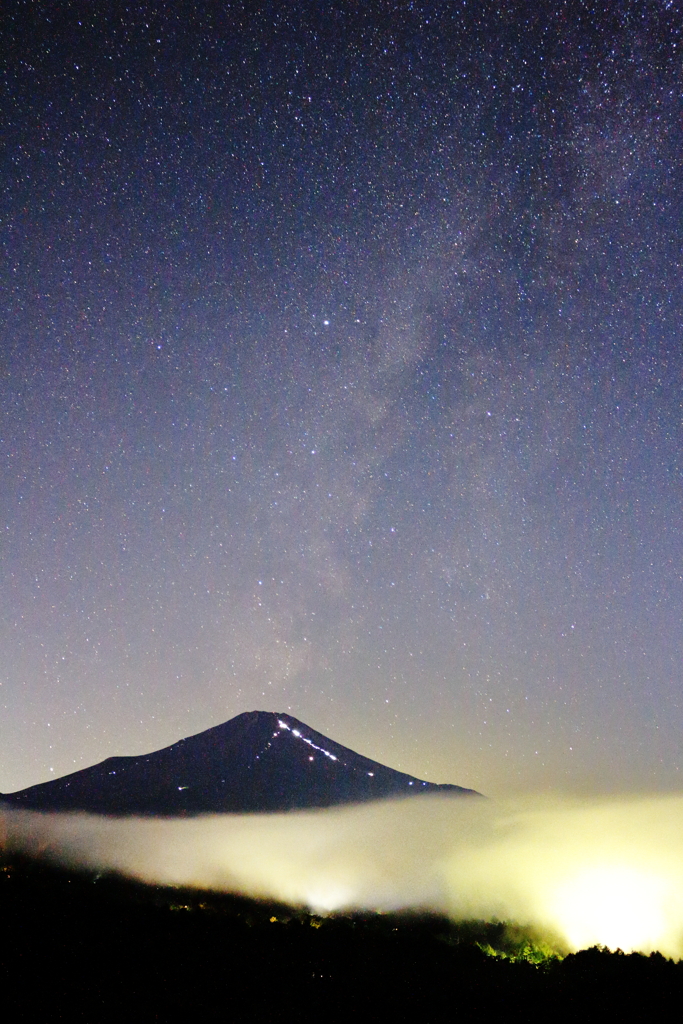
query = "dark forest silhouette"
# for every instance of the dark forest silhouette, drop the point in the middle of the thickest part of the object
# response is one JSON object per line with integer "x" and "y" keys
{"x": 92, "y": 948}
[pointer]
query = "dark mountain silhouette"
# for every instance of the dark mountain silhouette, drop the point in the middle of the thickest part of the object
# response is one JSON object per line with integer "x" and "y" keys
{"x": 258, "y": 761}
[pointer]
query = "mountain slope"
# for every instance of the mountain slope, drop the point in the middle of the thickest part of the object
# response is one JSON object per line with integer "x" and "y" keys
{"x": 258, "y": 761}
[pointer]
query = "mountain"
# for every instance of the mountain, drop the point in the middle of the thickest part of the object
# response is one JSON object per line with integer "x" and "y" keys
{"x": 258, "y": 761}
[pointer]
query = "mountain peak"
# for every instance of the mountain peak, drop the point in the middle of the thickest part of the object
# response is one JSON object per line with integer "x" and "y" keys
{"x": 259, "y": 761}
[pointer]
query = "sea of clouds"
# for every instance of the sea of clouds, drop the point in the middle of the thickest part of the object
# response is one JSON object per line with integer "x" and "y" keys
{"x": 601, "y": 871}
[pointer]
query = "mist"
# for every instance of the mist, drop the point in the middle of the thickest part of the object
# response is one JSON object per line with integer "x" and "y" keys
{"x": 600, "y": 871}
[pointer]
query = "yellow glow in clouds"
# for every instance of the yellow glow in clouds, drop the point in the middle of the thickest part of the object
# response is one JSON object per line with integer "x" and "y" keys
{"x": 602, "y": 871}
{"x": 612, "y": 905}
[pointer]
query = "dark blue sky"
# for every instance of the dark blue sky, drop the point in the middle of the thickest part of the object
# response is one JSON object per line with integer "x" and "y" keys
{"x": 340, "y": 374}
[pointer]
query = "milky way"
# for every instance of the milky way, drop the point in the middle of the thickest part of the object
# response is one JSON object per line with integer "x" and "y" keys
{"x": 340, "y": 374}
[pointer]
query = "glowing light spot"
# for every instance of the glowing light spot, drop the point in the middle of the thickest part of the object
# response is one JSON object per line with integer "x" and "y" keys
{"x": 329, "y": 898}
{"x": 615, "y": 906}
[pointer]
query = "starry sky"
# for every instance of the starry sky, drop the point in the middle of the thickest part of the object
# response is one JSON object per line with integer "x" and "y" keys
{"x": 340, "y": 374}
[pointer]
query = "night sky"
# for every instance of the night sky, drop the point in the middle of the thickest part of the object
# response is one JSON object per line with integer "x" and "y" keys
{"x": 341, "y": 374}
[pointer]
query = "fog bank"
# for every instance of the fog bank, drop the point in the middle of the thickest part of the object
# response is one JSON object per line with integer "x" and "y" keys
{"x": 606, "y": 871}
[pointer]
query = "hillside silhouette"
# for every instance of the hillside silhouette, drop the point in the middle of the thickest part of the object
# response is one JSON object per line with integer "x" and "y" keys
{"x": 82, "y": 947}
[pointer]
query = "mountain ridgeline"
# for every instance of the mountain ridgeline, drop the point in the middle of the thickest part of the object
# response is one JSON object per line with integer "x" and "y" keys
{"x": 257, "y": 762}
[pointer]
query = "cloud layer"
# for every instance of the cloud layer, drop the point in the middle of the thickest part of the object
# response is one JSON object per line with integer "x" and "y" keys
{"x": 599, "y": 871}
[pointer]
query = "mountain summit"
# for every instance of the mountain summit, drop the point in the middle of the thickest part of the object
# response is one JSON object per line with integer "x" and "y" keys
{"x": 258, "y": 761}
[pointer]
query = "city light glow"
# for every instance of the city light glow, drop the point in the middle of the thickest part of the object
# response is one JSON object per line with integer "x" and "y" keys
{"x": 606, "y": 872}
